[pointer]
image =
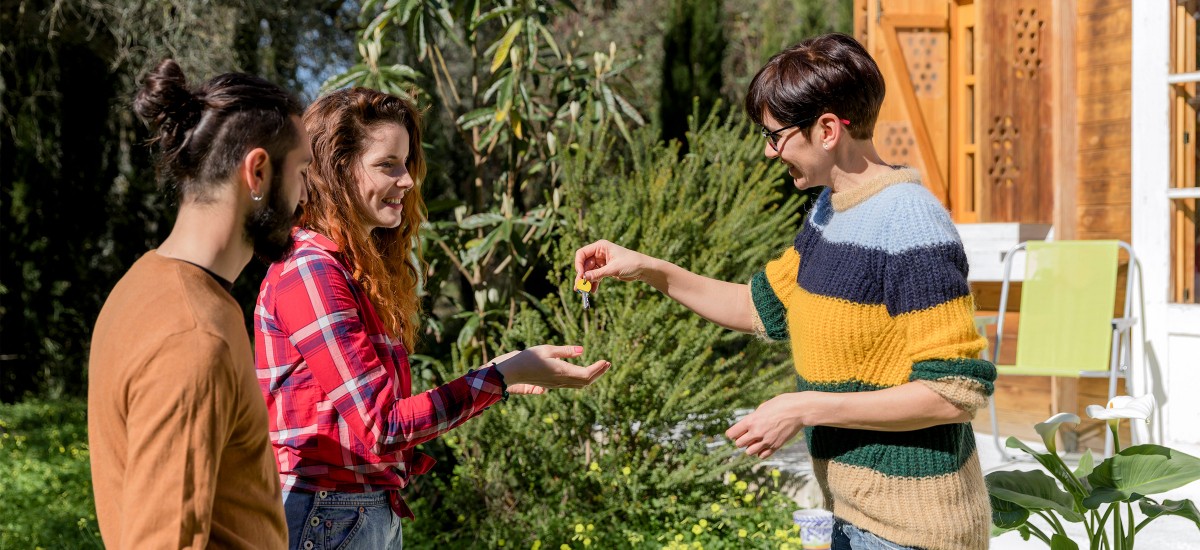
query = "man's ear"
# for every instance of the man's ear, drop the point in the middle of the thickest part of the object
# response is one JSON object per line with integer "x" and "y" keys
{"x": 255, "y": 172}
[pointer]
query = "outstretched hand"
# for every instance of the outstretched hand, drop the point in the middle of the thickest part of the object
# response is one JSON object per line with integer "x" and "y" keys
{"x": 533, "y": 370}
{"x": 605, "y": 259}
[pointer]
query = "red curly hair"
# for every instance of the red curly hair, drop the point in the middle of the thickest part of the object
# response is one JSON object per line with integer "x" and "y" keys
{"x": 387, "y": 261}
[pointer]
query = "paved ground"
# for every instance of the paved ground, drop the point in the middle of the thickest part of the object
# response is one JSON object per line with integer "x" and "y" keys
{"x": 1166, "y": 533}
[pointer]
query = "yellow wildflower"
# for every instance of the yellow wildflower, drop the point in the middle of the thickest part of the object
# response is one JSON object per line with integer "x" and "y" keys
{"x": 696, "y": 529}
{"x": 578, "y": 527}
{"x": 716, "y": 508}
{"x": 741, "y": 533}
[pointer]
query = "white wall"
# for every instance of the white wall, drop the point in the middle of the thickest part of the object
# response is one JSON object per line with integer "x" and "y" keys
{"x": 1168, "y": 360}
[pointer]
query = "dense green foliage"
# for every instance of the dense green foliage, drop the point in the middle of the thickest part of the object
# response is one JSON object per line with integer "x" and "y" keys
{"x": 693, "y": 48}
{"x": 640, "y": 453}
{"x": 46, "y": 483}
{"x": 79, "y": 201}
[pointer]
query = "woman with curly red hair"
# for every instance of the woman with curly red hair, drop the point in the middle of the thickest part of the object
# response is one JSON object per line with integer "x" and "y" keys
{"x": 335, "y": 323}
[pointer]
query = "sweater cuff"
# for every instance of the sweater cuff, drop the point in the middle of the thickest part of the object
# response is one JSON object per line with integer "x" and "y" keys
{"x": 966, "y": 383}
{"x": 770, "y": 315}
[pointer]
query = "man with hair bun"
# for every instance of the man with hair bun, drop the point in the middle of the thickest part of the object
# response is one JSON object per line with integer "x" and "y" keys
{"x": 177, "y": 430}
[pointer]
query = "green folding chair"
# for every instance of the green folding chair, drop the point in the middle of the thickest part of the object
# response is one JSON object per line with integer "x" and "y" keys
{"x": 1067, "y": 328}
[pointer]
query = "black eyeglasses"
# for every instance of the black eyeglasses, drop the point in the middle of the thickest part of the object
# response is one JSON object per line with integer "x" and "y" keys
{"x": 773, "y": 136}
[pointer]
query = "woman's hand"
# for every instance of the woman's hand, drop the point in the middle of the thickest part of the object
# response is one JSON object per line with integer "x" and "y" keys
{"x": 540, "y": 367}
{"x": 769, "y": 427}
{"x": 604, "y": 259}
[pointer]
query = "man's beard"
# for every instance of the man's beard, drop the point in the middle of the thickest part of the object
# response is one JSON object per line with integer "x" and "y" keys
{"x": 269, "y": 227}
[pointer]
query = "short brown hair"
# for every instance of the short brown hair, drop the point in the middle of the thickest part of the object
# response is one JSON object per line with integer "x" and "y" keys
{"x": 831, "y": 73}
{"x": 203, "y": 134}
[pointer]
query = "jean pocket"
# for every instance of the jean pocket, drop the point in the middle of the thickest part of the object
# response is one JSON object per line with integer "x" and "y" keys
{"x": 334, "y": 527}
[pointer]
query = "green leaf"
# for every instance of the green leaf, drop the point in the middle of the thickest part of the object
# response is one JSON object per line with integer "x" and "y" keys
{"x": 475, "y": 118}
{"x": 506, "y": 43}
{"x": 489, "y": 15}
{"x": 1140, "y": 470}
{"x": 354, "y": 75}
{"x": 1008, "y": 515}
{"x": 477, "y": 248}
{"x": 550, "y": 41}
{"x": 475, "y": 221}
{"x": 1183, "y": 508}
{"x": 1086, "y": 464}
{"x": 1055, "y": 466}
{"x": 468, "y": 330}
{"x": 1060, "y": 542}
{"x": 1034, "y": 491}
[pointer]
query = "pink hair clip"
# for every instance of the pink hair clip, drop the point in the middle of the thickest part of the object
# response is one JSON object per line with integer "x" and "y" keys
{"x": 846, "y": 122}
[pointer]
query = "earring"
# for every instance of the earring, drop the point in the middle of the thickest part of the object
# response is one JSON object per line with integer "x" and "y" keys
{"x": 256, "y": 195}
{"x": 825, "y": 145}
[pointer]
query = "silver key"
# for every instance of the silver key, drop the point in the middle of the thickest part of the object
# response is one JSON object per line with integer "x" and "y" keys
{"x": 587, "y": 299}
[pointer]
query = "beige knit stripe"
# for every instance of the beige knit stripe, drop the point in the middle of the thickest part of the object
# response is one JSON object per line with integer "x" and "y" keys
{"x": 965, "y": 393}
{"x": 846, "y": 200}
{"x": 948, "y": 512}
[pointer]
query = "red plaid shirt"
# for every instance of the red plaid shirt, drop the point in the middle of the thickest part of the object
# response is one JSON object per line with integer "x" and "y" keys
{"x": 338, "y": 387}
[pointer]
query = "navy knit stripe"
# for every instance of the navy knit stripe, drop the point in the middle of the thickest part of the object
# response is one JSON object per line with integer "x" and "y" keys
{"x": 925, "y": 277}
{"x": 904, "y": 282}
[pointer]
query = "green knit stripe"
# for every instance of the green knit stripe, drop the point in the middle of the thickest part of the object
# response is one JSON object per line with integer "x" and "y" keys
{"x": 981, "y": 371}
{"x": 845, "y": 386}
{"x": 770, "y": 309}
{"x": 929, "y": 452}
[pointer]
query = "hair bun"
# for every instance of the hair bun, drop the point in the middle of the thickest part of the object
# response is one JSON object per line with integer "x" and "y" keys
{"x": 166, "y": 104}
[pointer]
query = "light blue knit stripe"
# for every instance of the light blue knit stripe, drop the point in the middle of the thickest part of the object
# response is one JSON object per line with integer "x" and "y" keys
{"x": 898, "y": 218}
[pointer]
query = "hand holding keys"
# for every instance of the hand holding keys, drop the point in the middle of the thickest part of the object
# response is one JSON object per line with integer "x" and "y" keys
{"x": 584, "y": 288}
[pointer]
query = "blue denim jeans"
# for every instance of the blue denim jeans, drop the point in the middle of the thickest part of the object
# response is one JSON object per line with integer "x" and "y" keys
{"x": 328, "y": 520}
{"x": 848, "y": 537}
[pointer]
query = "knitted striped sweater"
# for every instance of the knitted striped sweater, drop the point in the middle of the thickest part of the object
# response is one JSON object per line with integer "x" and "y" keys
{"x": 873, "y": 294}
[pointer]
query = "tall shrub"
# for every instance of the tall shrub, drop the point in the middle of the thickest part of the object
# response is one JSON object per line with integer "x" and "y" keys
{"x": 639, "y": 456}
{"x": 693, "y": 50}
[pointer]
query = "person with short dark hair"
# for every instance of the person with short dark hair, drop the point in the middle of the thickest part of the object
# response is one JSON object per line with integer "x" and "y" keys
{"x": 176, "y": 428}
{"x": 873, "y": 296}
{"x": 337, "y": 319}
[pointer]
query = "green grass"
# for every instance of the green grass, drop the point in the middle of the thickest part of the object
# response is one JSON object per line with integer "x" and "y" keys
{"x": 45, "y": 478}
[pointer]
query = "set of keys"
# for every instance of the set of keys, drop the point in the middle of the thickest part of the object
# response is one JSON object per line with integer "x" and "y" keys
{"x": 584, "y": 288}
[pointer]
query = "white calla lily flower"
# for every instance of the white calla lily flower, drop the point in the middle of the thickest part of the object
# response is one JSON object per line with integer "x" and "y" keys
{"x": 1123, "y": 406}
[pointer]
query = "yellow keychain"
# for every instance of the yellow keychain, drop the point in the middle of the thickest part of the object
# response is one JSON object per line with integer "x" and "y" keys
{"x": 584, "y": 288}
